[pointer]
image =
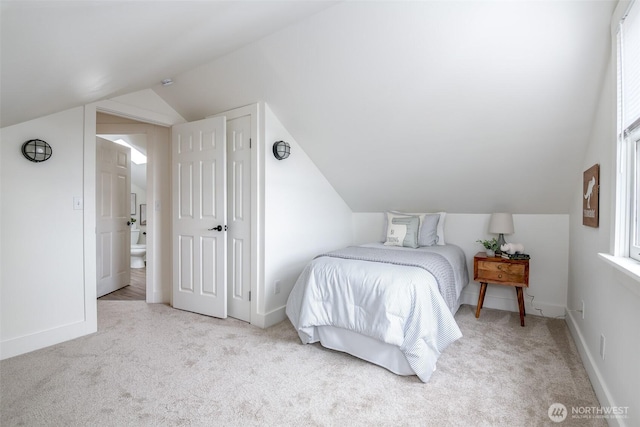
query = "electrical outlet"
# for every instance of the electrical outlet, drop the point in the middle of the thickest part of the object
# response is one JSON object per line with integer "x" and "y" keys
{"x": 602, "y": 344}
{"x": 276, "y": 288}
{"x": 583, "y": 309}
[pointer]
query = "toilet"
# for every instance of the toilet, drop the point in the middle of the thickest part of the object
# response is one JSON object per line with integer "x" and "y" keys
{"x": 138, "y": 251}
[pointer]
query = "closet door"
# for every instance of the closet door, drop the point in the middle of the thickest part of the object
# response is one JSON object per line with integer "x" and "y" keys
{"x": 199, "y": 206}
{"x": 239, "y": 216}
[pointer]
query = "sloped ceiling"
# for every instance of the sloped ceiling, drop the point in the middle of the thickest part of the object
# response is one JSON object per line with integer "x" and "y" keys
{"x": 471, "y": 106}
{"x": 61, "y": 54}
{"x": 459, "y": 106}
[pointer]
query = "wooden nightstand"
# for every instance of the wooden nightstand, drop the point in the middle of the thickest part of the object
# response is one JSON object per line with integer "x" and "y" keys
{"x": 501, "y": 271}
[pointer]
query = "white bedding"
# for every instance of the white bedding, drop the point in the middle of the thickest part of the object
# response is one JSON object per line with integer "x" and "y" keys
{"x": 396, "y": 304}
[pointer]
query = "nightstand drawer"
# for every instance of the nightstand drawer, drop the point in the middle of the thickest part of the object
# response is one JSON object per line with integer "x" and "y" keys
{"x": 501, "y": 272}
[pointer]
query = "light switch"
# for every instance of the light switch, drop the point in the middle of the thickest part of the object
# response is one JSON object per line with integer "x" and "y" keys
{"x": 78, "y": 203}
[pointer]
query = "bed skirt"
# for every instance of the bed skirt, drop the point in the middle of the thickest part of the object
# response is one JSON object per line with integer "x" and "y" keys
{"x": 380, "y": 353}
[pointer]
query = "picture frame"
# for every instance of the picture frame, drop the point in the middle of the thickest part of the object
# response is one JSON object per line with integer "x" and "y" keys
{"x": 133, "y": 203}
{"x": 591, "y": 196}
{"x": 143, "y": 214}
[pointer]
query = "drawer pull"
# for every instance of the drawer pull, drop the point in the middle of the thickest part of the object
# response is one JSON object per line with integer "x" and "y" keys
{"x": 499, "y": 267}
{"x": 499, "y": 276}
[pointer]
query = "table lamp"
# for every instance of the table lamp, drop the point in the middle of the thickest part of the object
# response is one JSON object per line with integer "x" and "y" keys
{"x": 501, "y": 224}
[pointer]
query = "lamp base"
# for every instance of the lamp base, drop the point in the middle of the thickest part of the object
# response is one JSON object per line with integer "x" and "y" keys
{"x": 501, "y": 242}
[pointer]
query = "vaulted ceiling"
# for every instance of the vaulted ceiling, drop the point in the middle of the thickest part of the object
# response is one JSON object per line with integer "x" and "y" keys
{"x": 470, "y": 106}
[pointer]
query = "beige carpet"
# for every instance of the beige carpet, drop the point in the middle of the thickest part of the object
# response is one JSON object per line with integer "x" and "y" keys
{"x": 153, "y": 365}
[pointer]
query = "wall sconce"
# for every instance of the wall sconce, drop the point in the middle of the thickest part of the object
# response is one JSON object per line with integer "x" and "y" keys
{"x": 281, "y": 150}
{"x": 36, "y": 150}
{"x": 501, "y": 223}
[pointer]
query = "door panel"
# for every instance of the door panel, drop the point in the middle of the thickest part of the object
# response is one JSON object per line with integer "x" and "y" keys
{"x": 185, "y": 196}
{"x": 208, "y": 174}
{"x": 113, "y": 187}
{"x": 199, "y": 203}
{"x": 239, "y": 176}
{"x": 185, "y": 258}
{"x": 208, "y": 250}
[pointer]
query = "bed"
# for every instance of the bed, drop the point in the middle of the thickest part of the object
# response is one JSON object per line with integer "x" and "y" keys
{"x": 390, "y": 303}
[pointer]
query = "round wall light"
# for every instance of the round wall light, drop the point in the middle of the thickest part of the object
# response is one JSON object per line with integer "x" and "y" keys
{"x": 281, "y": 150}
{"x": 36, "y": 150}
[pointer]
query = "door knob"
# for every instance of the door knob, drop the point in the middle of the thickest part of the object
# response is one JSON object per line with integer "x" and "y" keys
{"x": 218, "y": 228}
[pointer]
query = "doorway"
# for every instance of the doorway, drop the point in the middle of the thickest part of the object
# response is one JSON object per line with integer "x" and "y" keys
{"x": 211, "y": 175}
{"x": 152, "y": 194}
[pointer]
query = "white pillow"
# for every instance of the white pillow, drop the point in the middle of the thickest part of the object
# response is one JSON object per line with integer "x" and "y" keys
{"x": 396, "y": 234}
{"x": 439, "y": 229}
{"x": 429, "y": 230}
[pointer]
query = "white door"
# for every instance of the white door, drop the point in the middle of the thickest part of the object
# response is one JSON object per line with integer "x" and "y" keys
{"x": 199, "y": 216}
{"x": 239, "y": 211}
{"x": 113, "y": 189}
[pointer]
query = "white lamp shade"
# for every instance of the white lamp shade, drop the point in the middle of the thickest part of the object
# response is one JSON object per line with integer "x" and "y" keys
{"x": 501, "y": 223}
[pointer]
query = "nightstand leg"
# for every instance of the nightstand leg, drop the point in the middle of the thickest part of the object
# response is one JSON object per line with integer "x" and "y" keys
{"x": 520, "y": 304}
{"x": 483, "y": 289}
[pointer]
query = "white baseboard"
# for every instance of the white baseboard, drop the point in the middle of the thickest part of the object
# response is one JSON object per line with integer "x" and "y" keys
{"x": 271, "y": 318}
{"x": 157, "y": 297}
{"x": 470, "y": 296}
{"x": 21, "y": 345}
{"x": 597, "y": 381}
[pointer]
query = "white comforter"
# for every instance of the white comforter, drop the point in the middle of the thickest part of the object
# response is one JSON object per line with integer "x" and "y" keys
{"x": 399, "y": 305}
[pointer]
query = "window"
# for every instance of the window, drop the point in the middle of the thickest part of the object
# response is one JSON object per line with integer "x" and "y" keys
{"x": 628, "y": 218}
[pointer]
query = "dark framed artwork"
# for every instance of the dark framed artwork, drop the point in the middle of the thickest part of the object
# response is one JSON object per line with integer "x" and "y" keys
{"x": 590, "y": 196}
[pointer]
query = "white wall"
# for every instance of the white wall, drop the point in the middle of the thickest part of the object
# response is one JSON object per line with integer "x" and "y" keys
{"x": 143, "y": 105}
{"x": 303, "y": 216}
{"x": 612, "y": 300}
{"x": 545, "y": 237}
{"x": 42, "y": 290}
{"x": 158, "y": 236}
{"x": 47, "y": 249}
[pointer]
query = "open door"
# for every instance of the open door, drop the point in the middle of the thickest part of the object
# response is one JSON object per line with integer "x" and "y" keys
{"x": 113, "y": 188}
{"x": 199, "y": 216}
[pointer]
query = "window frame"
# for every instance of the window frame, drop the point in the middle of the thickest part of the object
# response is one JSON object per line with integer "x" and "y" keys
{"x": 627, "y": 220}
{"x": 633, "y": 141}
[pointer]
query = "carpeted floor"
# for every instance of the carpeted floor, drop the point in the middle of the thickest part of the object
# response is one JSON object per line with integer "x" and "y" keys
{"x": 152, "y": 365}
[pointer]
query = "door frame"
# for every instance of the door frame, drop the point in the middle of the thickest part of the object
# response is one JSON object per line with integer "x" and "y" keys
{"x": 129, "y": 129}
{"x": 143, "y": 115}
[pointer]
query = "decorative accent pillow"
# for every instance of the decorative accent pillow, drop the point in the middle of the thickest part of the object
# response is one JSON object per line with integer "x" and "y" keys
{"x": 413, "y": 225}
{"x": 439, "y": 230}
{"x": 396, "y": 234}
{"x": 388, "y": 220}
{"x": 424, "y": 233}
